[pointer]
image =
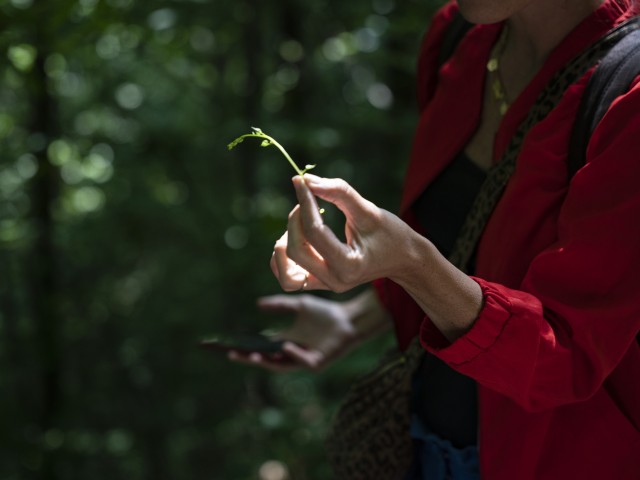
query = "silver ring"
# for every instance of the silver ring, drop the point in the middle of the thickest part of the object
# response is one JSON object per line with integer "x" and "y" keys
{"x": 306, "y": 282}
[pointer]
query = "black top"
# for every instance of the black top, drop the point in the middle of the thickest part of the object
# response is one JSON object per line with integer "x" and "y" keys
{"x": 445, "y": 400}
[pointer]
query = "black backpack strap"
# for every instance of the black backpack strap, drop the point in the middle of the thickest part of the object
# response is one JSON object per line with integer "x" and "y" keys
{"x": 611, "y": 78}
{"x": 452, "y": 36}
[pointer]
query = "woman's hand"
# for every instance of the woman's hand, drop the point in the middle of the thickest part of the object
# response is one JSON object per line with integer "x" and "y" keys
{"x": 378, "y": 244}
{"x": 321, "y": 332}
{"x": 309, "y": 255}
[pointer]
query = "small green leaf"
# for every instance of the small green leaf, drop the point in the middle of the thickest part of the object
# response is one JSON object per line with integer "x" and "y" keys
{"x": 235, "y": 142}
{"x": 256, "y": 130}
{"x": 265, "y": 143}
{"x": 306, "y": 169}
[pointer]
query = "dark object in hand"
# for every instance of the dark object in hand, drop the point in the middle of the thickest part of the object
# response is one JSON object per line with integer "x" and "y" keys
{"x": 243, "y": 343}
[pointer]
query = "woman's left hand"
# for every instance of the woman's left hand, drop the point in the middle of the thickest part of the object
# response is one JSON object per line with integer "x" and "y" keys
{"x": 309, "y": 256}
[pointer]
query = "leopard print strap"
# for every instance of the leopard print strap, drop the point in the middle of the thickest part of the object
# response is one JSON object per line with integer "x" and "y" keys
{"x": 498, "y": 175}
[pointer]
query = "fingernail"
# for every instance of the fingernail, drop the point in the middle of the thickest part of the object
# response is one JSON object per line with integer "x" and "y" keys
{"x": 255, "y": 357}
{"x": 311, "y": 179}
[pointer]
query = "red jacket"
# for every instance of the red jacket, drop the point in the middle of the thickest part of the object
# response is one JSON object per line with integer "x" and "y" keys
{"x": 554, "y": 348}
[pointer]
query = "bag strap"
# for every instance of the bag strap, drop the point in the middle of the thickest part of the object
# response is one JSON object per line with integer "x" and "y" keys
{"x": 611, "y": 78}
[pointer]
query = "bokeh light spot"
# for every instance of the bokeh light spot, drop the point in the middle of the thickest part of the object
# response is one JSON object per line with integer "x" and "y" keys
{"x": 53, "y": 439}
{"x": 104, "y": 150}
{"x": 202, "y": 40}
{"x": 377, "y": 23}
{"x": 236, "y": 237}
{"x": 291, "y": 51}
{"x": 380, "y": 96}
{"x": 22, "y": 4}
{"x": 171, "y": 193}
{"x": 383, "y": 7}
{"x": 327, "y": 137}
{"x": 288, "y": 77}
{"x": 118, "y": 442}
{"x": 6, "y": 124}
{"x": 129, "y": 96}
{"x": 84, "y": 441}
{"x": 27, "y": 166}
{"x": 97, "y": 168}
{"x": 367, "y": 40}
{"x": 22, "y": 56}
{"x": 60, "y": 152}
{"x": 108, "y": 46}
{"x": 336, "y": 49}
{"x": 55, "y": 65}
{"x": 71, "y": 173}
{"x": 273, "y": 470}
{"x": 88, "y": 199}
{"x": 162, "y": 19}
{"x": 271, "y": 417}
{"x": 86, "y": 123}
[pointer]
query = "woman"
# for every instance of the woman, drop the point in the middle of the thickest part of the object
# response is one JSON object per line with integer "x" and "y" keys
{"x": 546, "y": 325}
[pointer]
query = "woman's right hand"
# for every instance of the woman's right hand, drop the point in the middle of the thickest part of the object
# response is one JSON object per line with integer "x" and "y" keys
{"x": 322, "y": 330}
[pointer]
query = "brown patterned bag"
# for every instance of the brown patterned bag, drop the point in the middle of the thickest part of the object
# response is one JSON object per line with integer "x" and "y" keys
{"x": 371, "y": 430}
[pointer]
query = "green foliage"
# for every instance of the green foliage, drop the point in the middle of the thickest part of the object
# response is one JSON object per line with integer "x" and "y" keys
{"x": 127, "y": 233}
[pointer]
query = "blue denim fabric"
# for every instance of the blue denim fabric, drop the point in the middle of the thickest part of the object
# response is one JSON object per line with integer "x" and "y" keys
{"x": 437, "y": 459}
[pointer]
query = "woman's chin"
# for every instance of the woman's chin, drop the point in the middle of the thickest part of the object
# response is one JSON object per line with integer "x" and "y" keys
{"x": 486, "y": 11}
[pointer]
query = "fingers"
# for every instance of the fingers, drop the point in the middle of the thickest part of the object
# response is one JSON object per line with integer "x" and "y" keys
{"x": 309, "y": 256}
{"x": 358, "y": 211}
{"x": 298, "y": 248}
{"x": 280, "y": 303}
{"x": 282, "y": 364}
{"x": 291, "y": 275}
{"x": 356, "y": 208}
{"x": 337, "y": 263}
{"x": 294, "y": 357}
{"x": 312, "y": 245}
{"x": 312, "y": 359}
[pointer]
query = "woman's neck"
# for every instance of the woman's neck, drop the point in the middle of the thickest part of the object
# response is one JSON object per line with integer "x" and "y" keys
{"x": 535, "y": 30}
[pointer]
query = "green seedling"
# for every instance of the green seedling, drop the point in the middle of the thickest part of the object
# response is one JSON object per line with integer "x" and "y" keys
{"x": 266, "y": 142}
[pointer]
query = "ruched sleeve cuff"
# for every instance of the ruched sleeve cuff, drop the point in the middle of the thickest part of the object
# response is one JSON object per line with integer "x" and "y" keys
{"x": 487, "y": 329}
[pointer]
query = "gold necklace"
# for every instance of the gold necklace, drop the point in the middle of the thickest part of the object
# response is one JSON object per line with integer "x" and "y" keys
{"x": 493, "y": 72}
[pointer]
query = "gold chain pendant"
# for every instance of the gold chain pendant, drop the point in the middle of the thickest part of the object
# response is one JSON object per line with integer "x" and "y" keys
{"x": 493, "y": 69}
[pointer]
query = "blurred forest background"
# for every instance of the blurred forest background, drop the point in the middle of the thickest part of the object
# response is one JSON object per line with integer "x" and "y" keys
{"x": 128, "y": 231}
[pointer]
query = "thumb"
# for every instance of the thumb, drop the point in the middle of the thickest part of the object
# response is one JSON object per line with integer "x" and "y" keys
{"x": 279, "y": 303}
{"x": 312, "y": 359}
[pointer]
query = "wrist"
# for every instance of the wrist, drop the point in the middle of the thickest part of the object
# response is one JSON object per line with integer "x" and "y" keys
{"x": 366, "y": 315}
{"x": 450, "y": 298}
{"x": 416, "y": 259}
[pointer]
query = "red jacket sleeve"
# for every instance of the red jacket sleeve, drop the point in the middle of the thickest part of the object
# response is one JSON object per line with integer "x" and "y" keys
{"x": 576, "y": 315}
